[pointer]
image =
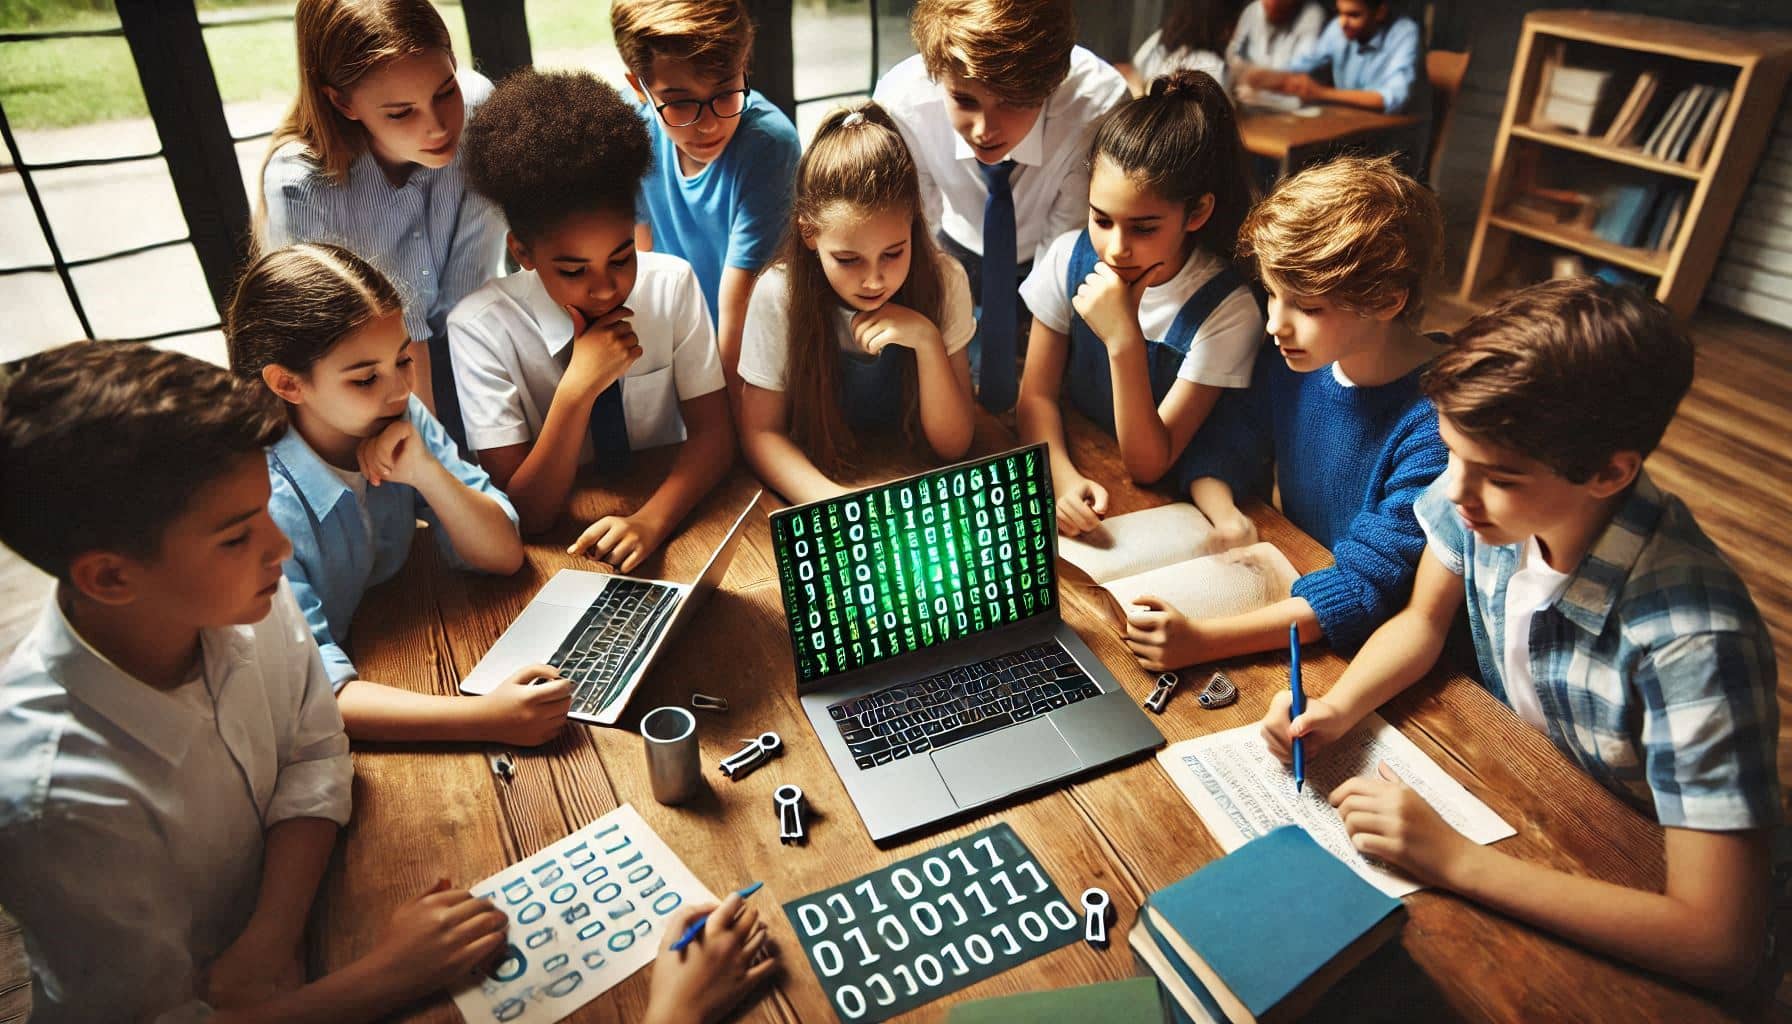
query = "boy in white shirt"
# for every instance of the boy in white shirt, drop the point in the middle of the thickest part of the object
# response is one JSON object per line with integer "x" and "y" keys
{"x": 594, "y": 350}
{"x": 998, "y": 108}
{"x": 1273, "y": 33}
{"x": 173, "y": 770}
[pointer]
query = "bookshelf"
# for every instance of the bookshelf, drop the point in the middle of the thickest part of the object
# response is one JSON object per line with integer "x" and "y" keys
{"x": 1674, "y": 117}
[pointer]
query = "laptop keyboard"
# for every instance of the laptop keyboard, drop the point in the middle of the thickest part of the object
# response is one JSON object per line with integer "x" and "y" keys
{"x": 960, "y": 703}
{"x": 600, "y": 652}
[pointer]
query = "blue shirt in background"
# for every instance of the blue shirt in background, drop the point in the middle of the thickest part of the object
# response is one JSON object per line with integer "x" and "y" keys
{"x": 336, "y": 552}
{"x": 734, "y": 211}
{"x": 1391, "y": 61}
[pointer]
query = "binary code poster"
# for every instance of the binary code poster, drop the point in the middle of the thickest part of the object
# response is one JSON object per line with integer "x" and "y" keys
{"x": 909, "y": 933}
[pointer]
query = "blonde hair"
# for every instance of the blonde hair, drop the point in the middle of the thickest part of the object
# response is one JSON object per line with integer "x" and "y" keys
{"x": 294, "y": 304}
{"x": 340, "y": 42}
{"x": 714, "y": 35}
{"x": 857, "y": 160}
{"x": 1018, "y": 49}
{"x": 1354, "y": 230}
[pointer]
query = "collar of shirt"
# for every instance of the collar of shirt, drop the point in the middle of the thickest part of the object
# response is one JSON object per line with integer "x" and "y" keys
{"x": 1593, "y": 591}
{"x": 160, "y": 722}
{"x": 1029, "y": 152}
{"x": 555, "y": 323}
{"x": 367, "y": 168}
{"x": 1372, "y": 42}
{"x": 317, "y": 483}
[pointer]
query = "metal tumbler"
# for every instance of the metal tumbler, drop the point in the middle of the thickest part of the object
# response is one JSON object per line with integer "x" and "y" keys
{"x": 674, "y": 765}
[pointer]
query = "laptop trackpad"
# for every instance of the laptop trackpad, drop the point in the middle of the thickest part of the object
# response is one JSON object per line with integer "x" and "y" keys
{"x": 994, "y": 765}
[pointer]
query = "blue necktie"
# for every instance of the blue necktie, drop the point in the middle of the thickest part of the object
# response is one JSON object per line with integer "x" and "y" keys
{"x": 609, "y": 430}
{"x": 997, "y": 388}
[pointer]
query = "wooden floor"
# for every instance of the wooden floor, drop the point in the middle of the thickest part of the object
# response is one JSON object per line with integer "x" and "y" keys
{"x": 1728, "y": 455}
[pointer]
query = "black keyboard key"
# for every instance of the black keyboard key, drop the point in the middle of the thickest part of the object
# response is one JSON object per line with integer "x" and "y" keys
{"x": 965, "y": 732}
{"x": 1069, "y": 671}
{"x": 836, "y": 711}
{"x": 865, "y": 762}
{"x": 899, "y": 753}
{"x": 868, "y": 747}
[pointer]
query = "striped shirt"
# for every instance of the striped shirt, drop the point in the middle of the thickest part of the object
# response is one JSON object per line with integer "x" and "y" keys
{"x": 433, "y": 236}
{"x": 1653, "y": 669}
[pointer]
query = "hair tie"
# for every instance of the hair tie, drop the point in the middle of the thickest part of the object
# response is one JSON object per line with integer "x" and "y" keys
{"x": 852, "y": 117}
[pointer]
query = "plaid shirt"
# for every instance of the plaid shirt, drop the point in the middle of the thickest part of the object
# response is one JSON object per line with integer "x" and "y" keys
{"x": 1653, "y": 668}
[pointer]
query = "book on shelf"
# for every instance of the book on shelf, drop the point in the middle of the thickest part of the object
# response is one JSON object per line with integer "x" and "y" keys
{"x": 1624, "y": 213}
{"x": 1701, "y": 143}
{"x": 1665, "y": 123}
{"x": 1676, "y": 145}
{"x": 1664, "y": 221}
{"x": 1575, "y": 99}
{"x": 1624, "y": 123}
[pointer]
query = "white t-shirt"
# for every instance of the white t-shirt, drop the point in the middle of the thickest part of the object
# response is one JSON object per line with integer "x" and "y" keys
{"x": 356, "y": 483}
{"x": 1051, "y": 183}
{"x": 1256, "y": 41}
{"x": 511, "y": 344}
{"x": 1153, "y": 61}
{"x": 1533, "y": 587}
{"x": 1225, "y": 346}
{"x": 765, "y": 339}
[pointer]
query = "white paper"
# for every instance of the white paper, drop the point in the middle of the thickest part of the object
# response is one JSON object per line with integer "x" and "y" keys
{"x": 1137, "y": 541}
{"x": 585, "y": 913}
{"x": 1241, "y": 791}
{"x": 1230, "y": 583}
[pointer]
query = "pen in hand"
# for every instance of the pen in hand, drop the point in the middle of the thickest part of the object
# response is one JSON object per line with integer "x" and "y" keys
{"x": 1298, "y": 706}
{"x": 696, "y": 928}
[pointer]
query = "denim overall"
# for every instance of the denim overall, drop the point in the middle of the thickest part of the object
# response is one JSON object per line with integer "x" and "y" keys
{"x": 870, "y": 389}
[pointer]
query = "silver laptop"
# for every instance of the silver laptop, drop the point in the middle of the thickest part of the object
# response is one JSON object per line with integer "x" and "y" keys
{"x": 602, "y": 631}
{"x": 930, "y": 655}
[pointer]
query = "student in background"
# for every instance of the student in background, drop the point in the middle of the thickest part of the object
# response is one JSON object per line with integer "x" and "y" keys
{"x": 1193, "y": 35}
{"x": 860, "y": 324}
{"x": 1601, "y": 615}
{"x": 1271, "y": 34}
{"x": 1140, "y": 320}
{"x": 998, "y": 108}
{"x": 1334, "y": 418}
{"x": 368, "y": 159}
{"x": 364, "y": 460}
{"x": 173, "y": 771}
{"x": 723, "y": 157}
{"x": 594, "y": 350}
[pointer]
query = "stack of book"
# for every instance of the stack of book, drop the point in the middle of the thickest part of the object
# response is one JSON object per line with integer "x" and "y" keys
{"x": 1262, "y": 933}
{"x": 1678, "y": 130}
{"x": 1571, "y": 99}
{"x": 1642, "y": 216}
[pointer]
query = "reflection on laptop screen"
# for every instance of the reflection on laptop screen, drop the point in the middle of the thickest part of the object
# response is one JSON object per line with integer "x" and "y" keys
{"x": 918, "y": 562}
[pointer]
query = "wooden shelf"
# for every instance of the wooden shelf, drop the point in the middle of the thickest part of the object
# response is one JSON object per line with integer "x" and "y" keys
{"x": 1643, "y": 261}
{"x": 1606, "y": 151}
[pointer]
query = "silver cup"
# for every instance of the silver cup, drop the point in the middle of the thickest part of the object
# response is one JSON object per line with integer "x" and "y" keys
{"x": 674, "y": 766}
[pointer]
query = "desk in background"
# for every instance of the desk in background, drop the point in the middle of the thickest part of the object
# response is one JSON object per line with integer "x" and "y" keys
{"x": 1286, "y": 138}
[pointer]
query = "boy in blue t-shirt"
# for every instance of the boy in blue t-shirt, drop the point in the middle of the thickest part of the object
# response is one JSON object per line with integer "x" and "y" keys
{"x": 1601, "y": 615}
{"x": 723, "y": 156}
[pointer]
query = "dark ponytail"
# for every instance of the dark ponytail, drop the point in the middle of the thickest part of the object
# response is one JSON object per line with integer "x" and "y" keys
{"x": 1180, "y": 140}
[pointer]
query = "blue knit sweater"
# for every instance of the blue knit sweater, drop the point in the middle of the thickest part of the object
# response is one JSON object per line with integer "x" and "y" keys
{"x": 1350, "y": 461}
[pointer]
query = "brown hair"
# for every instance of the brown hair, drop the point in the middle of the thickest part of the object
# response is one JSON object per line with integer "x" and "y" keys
{"x": 1567, "y": 372}
{"x": 1180, "y": 140}
{"x": 1354, "y": 230}
{"x": 1019, "y": 49}
{"x": 340, "y": 42}
{"x": 714, "y": 35}
{"x": 1198, "y": 25}
{"x": 103, "y": 444}
{"x": 295, "y": 304}
{"x": 856, "y": 161}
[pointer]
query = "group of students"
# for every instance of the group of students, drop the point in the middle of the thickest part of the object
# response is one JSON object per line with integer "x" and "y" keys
{"x": 173, "y": 757}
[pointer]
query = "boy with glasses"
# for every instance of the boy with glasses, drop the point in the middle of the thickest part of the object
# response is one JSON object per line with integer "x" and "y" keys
{"x": 723, "y": 157}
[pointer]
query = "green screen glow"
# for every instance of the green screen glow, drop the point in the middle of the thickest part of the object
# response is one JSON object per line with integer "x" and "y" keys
{"x": 912, "y": 564}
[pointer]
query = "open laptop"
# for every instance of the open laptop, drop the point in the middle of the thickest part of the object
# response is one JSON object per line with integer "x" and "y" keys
{"x": 930, "y": 655}
{"x": 601, "y": 630}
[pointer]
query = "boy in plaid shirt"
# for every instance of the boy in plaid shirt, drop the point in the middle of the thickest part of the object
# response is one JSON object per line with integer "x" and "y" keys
{"x": 1601, "y": 615}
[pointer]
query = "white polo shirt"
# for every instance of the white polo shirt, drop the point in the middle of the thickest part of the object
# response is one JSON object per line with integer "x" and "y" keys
{"x": 511, "y": 345}
{"x": 1256, "y": 41}
{"x": 1051, "y": 183}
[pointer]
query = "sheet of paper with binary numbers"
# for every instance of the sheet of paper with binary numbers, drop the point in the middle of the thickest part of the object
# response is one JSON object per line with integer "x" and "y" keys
{"x": 909, "y": 933}
{"x": 585, "y": 913}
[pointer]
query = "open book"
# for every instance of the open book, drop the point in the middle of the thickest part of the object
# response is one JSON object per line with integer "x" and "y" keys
{"x": 1172, "y": 552}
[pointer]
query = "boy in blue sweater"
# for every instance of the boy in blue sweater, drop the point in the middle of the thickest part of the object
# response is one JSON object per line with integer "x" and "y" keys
{"x": 723, "y": 156}
{"x": 1334, "y": 416}
{"x": 1601, "y": 615}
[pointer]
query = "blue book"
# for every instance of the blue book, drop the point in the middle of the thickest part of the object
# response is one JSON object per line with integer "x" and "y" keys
{"x": 1624, "y": 215}
{"x": 1268, "y": 928}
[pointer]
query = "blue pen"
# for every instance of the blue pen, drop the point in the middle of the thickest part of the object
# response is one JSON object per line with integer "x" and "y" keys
{"x": 696, "y": 928}
{"x": 1299, "y": 704}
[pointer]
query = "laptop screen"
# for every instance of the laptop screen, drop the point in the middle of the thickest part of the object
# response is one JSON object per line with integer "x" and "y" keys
{"x": 917, "y": 562}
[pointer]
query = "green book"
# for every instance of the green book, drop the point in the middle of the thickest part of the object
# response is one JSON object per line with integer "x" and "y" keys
{"x": 1110, "y": 1002}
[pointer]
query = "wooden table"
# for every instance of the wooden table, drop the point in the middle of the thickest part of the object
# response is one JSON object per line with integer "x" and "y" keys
{"x": 424, "y": 813}
{"x": 1285, "y": 137}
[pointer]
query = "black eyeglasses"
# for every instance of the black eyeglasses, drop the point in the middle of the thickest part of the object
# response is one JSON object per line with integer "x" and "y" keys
{"x": 684, "y": 113}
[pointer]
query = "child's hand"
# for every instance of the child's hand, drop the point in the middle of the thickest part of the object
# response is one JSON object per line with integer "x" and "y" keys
{"x": 1081, "y": 506}
{"x": 1300, "y": 86}
{"x": 893, "y": 325}
{"x": 396, "y": 454}
{"x": 522, "y": 712}
{"x": 1388, "y": 821}
{"x": 1161, "y": 637}
{"x": 705, "y": 979}
{"x": 443, "y": 938}
{"x": 1232, "y": 530}
{"x": 252, "y": 970}
{"x": 1317, "y": 726}
{"x": 622, "y": 541}
{"x": 602, "y": 349}
{"x": 1109, "y": 304}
